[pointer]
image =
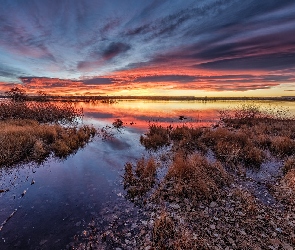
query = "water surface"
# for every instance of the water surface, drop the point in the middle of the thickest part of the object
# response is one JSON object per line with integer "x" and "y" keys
{"x": 67, "y": 194}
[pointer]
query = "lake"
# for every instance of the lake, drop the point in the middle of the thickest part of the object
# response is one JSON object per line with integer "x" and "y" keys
{"x": 53, "y": 202}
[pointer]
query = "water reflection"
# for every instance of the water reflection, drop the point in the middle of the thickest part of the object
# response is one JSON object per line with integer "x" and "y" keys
{"x": 66, "y": 195}
{"x": 139, "y": 112}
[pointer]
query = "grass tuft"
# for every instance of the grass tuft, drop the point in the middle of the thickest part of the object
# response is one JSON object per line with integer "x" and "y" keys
{"x": 140, "y": 178}
{"x": 195, "y": 178}
{"x": 156, "y": 137}
{"x": 164, "y": 232}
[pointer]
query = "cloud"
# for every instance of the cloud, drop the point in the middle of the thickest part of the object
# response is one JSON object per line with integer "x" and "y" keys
{"x": 97, "y": 81}
{"x": 114, "y": 49}
{"x": 46, "y": 82}
{"x": 9, "y": 73}
{"x": 263, "y": 62}
{"x": 165, "y": 41}
{"x": 166, "y": 78}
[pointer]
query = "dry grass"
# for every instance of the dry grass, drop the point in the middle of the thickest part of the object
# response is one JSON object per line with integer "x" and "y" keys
{"x": 210, "y": 206}
{"x": 27, "y": 140}
{"x": 156, "y": 137}
{"x": 234, "y": 147}
{"x": 289, "y": 164}
{"x": 139, "y": 178}
{"x": 282, "y": 146}
{"x": 43, "y": 112}
{"x": 187, "y": 139}
{"x": 164, "y": 233}
{"x": 247, "y": 201}
{"x": 195, "y": 178}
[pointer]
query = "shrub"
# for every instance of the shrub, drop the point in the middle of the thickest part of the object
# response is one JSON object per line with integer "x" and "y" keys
{"x": 16, "y": 94}
{"x": 118, "y": 124}
{"x": 156, "y": 137}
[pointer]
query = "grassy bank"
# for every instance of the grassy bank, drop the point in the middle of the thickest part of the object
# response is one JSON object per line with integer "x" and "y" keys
{"x": 42, "y": 112}
{"x": 226, "y": 187}
{"x": 33, "y": 131}
{"x": 27, "y": 140}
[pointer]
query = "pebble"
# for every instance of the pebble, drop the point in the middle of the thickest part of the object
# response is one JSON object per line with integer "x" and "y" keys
{"x": 213, "y": 204}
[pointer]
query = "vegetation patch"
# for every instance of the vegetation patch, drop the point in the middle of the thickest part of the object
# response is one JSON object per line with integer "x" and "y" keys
{"x": 156, "y": 137}
{"x": 207, "y": 199}
{"x": 139, "y": 178}
{"x": 27, "y": 140}
{"x": 194, "y": 178}
{"x": 43, "y": 112}
{"x": 34, "y": 130}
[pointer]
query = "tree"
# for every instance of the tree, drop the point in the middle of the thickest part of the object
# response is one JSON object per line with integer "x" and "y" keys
{"x": 16, "y": 94}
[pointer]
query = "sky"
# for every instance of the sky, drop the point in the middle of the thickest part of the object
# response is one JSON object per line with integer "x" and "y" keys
{"x": 148, "y": 47}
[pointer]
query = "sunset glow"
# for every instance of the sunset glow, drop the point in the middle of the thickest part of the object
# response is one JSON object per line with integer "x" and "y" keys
{"x": 196, "y": 48}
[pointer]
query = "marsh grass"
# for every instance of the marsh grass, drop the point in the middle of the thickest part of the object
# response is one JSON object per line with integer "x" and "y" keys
{"x": 156, "y": 137}
{"x": 164, "y": 232}
{"x": 34, "y": 130}
{"x": 243, "y": 137}
{"x": 251, "y": 114}
{"x": 206, "y": 187}
{"x": 246, "y": 200}
{"x": 139, "y": 178}
{"x": 193, "y": 177}
{"x": 43, "y": 112}
{"x": 27, "y": 140}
